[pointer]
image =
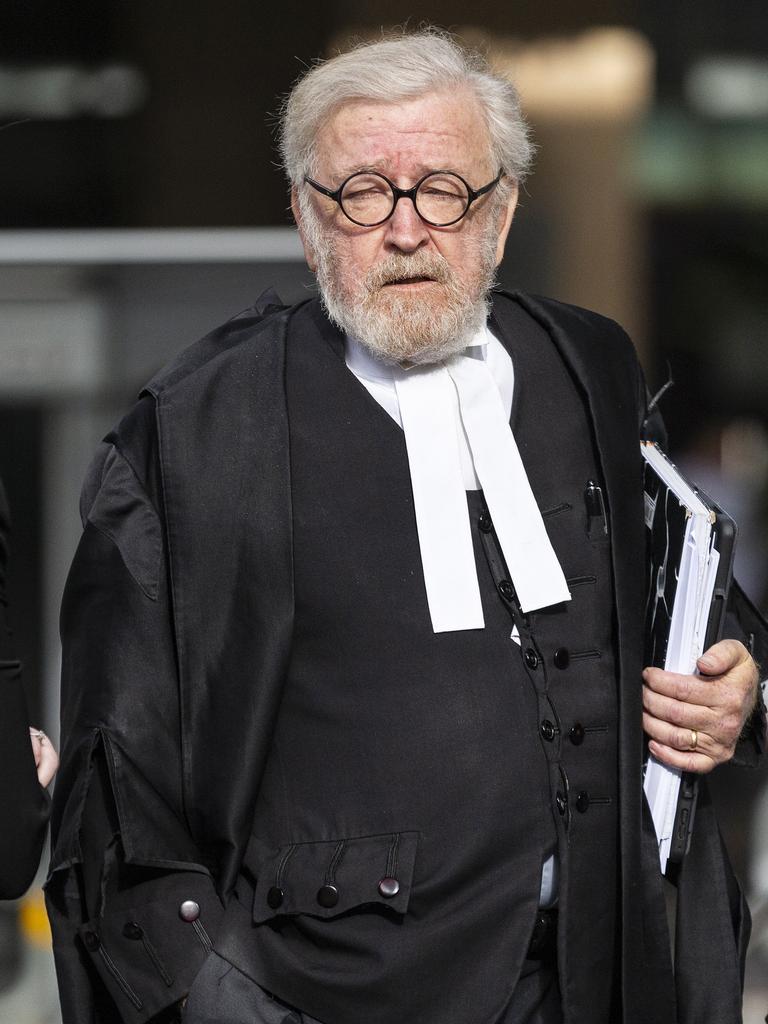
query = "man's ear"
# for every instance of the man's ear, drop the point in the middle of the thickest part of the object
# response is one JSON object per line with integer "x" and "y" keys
{"x": 505, "y": 221}
{"x": 309, "y": 255}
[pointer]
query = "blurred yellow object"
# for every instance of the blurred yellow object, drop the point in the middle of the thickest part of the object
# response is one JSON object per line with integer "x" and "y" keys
{"x": 604, "y": 74}
{"x": 34, "y": 920}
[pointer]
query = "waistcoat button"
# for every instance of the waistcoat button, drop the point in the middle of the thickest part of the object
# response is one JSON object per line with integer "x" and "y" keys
{"x": 547, "y": 730}
{"x": 189, "y": 911}
{"x": 389, "y": 887}
{"x": 582, "y": 801}
{"x": 531, "y": 658}
{"x": 576, "y": 735}
{"x": 91, "y": 940}
{"x": 131, "y": 930}
{"x": 561, "y": 802}
{"x": 328, "y": 896}
{"x": 275, "y": 897}
{"x": 485, "y": 522}
{"x": 562, "y": 657}
{"x": 506, "y": 590}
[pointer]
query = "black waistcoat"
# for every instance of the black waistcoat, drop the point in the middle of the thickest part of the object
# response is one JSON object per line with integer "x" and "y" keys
{"x": 416, "y": 780}
{"x": 572, "y": 648}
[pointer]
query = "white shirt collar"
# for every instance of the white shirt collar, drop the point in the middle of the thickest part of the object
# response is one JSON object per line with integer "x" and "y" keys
{"x": 379, "y": 377}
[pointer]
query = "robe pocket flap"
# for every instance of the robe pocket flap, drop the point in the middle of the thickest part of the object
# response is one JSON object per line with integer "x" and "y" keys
{"x": 332, "y": 877}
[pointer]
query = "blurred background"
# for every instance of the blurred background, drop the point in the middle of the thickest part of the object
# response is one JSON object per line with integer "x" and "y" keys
{"x": 141, "y": 204}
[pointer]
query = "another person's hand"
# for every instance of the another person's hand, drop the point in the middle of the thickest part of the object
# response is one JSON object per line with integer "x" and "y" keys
{"x": 694, "y": 722}
{"x": 46, "y": 758}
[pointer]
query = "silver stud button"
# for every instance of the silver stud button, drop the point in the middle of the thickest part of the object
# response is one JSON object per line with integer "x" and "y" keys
{"x": 189, "y": 911}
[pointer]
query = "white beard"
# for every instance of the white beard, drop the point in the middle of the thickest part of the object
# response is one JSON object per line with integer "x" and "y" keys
{"x": 425, "y": 326}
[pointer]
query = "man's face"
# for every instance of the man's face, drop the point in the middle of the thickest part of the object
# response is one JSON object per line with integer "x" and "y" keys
{"x": 404, "y": 288}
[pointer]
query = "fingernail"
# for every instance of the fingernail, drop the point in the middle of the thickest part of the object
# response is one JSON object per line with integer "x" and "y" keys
{"x": 706, "y": 661}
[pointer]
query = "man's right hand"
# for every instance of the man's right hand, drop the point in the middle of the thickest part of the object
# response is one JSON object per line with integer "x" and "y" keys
{"x": 46, "y": 758}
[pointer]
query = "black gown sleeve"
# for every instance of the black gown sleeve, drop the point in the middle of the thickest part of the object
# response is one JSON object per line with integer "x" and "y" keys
{"x": 24, "y": 803}
{"x": 124, "y": 865}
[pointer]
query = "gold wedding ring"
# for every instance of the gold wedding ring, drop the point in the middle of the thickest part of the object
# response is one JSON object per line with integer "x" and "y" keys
{"x": 694, "y": 739}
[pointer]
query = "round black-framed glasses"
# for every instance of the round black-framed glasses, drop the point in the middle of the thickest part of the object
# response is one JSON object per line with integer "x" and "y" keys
{"x": 368, "y": 198}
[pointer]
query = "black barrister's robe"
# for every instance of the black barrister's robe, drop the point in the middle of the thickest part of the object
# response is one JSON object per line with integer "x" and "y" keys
{"x": 176, "y": 625}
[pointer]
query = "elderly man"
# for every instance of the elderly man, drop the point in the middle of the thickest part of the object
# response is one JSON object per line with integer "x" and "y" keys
{"x": 353, "y": 683}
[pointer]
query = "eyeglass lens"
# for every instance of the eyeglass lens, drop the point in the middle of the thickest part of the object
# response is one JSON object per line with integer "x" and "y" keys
{"x": 441, "y": 198}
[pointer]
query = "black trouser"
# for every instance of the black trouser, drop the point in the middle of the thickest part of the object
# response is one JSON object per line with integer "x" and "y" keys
{"x": 536, "y": 999}
{"x": 221, "y": 994}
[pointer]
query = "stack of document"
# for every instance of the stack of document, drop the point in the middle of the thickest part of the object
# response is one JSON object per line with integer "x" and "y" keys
{"x": 690, "y": 550}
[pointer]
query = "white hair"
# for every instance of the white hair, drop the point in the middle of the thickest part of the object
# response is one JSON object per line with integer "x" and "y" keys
{"x": 395, "y": 69}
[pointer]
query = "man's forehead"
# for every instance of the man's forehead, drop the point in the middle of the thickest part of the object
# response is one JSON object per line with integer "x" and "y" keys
{"x": 437, "y": 110}
{"x": 373, "y": 135}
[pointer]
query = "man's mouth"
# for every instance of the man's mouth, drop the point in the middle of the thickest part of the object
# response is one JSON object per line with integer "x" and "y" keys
{"x": 417, "y": 279}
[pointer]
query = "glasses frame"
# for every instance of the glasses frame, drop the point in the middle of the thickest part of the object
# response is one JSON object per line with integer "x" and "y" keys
{"x": 404, "y": 193}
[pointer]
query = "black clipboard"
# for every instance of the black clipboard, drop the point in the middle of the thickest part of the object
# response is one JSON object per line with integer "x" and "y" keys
{"x": 670, "y": 502}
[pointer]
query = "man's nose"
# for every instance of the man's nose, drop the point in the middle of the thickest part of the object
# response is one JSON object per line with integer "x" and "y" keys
{"x": 405, "y": 228}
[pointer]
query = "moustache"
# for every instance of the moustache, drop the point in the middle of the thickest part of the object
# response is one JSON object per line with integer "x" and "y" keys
{"x": 397, "y": 268}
